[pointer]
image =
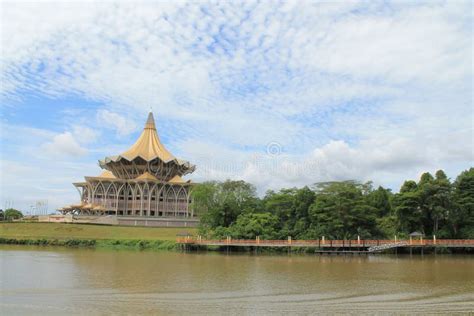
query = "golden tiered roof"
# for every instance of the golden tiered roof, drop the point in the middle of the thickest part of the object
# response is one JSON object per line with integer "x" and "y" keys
{"x": 107, "y": 174}
{"x": 176, "y": 179}
{"x": 147, "y": 176}
{"x": 148, "y": 146}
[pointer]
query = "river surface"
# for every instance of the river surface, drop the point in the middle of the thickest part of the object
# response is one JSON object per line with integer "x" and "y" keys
{"x": 60, "y": 281}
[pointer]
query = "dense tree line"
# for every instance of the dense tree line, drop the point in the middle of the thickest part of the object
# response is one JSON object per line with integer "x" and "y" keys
{"x": 339, "y": 210}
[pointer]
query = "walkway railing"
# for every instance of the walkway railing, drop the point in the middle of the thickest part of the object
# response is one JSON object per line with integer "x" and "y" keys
{"x": 325, "y": 242}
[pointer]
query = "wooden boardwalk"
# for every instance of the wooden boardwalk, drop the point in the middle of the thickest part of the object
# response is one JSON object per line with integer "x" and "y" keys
{"x": 331, "y": 245}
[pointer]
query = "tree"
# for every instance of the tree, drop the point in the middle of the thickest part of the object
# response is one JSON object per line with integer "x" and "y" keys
{"x": 440, "y": 175}
{"x": 409, "y": 186}
{"x": 304, "y": 197}
{"x": 204, "y": 197}
{"x": 407, "y": 210}
{"x": 249, "y": 226}
{"x": 220, "y": 203}
{"x": 425, "y": 178}
{"x": 461, "y": 215}
{"x": 388, "y": 226}
{"x": 291, "y": 208}
{"x": 435, "y": 201}
{"x": 12, "y": 213}
{"x": 281, "y": 204}
{"x": 340, "y": 211}
{"x": 440, "y": 202}
{"x": 380, "y": 199}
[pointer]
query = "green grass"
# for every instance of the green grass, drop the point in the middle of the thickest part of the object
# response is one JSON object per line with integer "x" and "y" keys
{"x": 57, "y": 231}
{"x": 134, "y": 244}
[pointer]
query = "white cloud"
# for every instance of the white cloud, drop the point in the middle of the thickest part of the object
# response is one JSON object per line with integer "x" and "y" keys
{"x": 380, "y": 160}
{"x": 119, "y": 123}
{"x": 65, "y": 144}
{"x": 84, "y": 134}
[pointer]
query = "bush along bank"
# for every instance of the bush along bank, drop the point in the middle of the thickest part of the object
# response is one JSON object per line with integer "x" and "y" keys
{"x": 95, "y": 243}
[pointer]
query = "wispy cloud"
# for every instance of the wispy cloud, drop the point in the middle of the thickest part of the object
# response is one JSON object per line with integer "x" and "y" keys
{"x": 119, "y": 123}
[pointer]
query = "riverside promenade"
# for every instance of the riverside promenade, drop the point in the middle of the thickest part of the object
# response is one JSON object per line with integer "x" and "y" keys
{"x": 328, "y": 246}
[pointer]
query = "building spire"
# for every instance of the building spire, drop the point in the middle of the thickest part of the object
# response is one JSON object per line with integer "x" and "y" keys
{"x": 150, "y": 122}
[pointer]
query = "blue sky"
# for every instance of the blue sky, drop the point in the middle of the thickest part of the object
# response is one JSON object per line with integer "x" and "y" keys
{"x": 279, "y": 94}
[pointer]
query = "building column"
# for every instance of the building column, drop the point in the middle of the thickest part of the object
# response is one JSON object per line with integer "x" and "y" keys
{"x": 141, "y": 187}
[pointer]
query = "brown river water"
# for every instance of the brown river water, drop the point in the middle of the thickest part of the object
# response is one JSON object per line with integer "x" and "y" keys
{"x": 60, "y": 281}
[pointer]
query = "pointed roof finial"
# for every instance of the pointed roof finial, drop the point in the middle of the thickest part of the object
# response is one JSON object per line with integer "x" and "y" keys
{"x": 150, "y": 122}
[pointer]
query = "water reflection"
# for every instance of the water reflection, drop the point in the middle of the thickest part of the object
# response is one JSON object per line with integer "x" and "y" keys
{"x": 56, "y": 281}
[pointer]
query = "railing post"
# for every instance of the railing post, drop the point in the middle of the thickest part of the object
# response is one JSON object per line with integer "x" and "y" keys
{"x": 434, "y": 239}
{"x": 358, "y": 239}
{"x": 289, "y": 240}
{"x": 395, "y": 238}
{"x": 323, "y": 240}
{"x": 411, "y": 241}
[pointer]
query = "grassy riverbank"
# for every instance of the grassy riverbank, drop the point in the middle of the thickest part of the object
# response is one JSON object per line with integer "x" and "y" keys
{"x": 98, "y": 236}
